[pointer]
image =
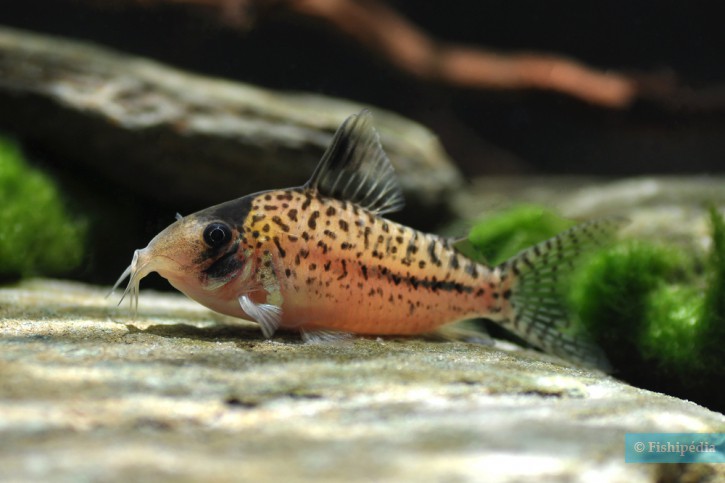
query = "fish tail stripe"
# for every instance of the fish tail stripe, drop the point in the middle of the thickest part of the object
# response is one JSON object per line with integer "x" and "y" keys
{"x": 539, "y": 312}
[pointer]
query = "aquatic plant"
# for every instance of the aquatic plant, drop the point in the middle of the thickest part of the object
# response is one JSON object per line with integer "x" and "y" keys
{"x": 657, "y": 312}
{"x": 37, "y": 234}
{"x": 648, "y": 307}
{"x": 500, "y": 236}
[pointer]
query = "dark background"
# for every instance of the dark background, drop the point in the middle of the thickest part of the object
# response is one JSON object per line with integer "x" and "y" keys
{"x": 484, "y": 131}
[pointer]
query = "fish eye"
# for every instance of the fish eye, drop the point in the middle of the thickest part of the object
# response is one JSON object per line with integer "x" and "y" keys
{"x": 217, "y": 235}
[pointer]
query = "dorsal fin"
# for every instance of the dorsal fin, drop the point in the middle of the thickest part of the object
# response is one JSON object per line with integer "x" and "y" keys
{"x": 355, "y": 168}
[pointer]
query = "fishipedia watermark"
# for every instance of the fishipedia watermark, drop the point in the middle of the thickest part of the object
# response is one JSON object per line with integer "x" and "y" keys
{"x": 674, "y": 448}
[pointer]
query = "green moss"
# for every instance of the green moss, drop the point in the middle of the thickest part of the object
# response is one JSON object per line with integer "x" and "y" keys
{"x": 658, "y": 312}
{"x": 37, "y": 235}
{"x": 609, "y": 292}
{"x": 672, "y": 326}
{"x": 645, "y": 306}
{"x": 713, "y": 320}
{"x": 498, "y": 237}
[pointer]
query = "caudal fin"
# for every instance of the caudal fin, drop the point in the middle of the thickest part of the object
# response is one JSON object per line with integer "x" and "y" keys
{"x": 540, "y": 314}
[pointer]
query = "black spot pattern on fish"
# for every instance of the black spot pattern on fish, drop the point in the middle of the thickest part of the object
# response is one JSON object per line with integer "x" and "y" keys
{"x": 282, "y": 252}
{"x": 432, "y": 253}
{"x": 278, "y": 221}
{"x": 344, "y": 270}
{"x": 323, "y": 246}
{"x": 471, "y": 269}
{"x": 307, "y": 202}
{"x": 312, "y": 222}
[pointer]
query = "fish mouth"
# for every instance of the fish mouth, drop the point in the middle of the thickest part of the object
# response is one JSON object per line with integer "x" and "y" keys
{"x": 140, "y": 267}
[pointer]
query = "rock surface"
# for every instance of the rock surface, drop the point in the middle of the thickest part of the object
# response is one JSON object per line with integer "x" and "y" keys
{"x": 87, "y": 392}
{"x": 147, "y": 126}
{"x": 658, "y": 208}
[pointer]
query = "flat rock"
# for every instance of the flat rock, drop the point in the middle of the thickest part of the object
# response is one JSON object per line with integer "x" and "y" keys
{"x": 187, "y": 139}
{"x": 176, "y": 393}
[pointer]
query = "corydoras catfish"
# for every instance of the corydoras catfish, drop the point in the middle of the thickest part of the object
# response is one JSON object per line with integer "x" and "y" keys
{"x": 321, "y": 258}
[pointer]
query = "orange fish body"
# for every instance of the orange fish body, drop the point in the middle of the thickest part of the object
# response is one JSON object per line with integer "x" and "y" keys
{"x": 341, "y": 267}
{"x": 321, "y": 258}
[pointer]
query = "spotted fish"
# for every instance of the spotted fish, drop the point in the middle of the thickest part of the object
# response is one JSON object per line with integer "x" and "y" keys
{"x": 322, "y": 259}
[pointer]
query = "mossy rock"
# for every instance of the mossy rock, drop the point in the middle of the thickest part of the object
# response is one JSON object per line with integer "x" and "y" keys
{"x": 657, "y": 311}
{"x": 37, "y": 233}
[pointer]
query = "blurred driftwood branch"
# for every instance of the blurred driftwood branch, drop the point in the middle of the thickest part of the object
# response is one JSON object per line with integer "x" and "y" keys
{"x": 382, "y": 30}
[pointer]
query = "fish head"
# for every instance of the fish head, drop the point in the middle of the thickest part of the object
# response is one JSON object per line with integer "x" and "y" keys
{"x": 198, "y": 251}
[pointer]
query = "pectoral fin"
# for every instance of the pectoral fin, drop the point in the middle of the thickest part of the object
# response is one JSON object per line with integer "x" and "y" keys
{"x": 268, "y": 316}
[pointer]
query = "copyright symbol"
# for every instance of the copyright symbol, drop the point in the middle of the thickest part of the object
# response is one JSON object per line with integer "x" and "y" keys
{"x": 639, "y": 446}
